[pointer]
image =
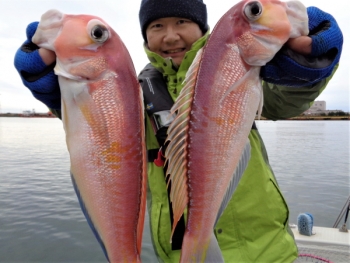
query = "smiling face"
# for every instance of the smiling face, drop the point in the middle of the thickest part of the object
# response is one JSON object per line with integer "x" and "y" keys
{"x": 172, "y": 37}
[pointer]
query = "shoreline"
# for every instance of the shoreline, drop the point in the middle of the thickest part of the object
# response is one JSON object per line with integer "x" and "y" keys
{"x": 20, "y": 115}
{"x": 312, "y": 118}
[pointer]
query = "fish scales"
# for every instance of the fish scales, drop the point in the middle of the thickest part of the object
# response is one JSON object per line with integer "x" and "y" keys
{"x": 112, "y": 155}
{"x": 102, "y": 114}
{"x": 223, "y": 92}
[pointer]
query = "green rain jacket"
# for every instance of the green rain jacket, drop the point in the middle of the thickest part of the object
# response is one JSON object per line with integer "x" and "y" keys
{"x": 254, "y": 226}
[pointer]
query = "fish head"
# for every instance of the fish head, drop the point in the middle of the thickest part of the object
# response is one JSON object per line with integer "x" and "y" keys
{"x": 83, "y": 44}
{"x": 262, "y": 27}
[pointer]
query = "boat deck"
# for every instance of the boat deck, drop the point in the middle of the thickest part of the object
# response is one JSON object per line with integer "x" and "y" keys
{"x": 326, "y": 245}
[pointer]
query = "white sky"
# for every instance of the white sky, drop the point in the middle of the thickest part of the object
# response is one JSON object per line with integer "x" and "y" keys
{"x": 122, "y": 16}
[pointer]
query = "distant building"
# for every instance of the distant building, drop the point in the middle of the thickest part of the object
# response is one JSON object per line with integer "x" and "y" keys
{"x": 27, "y": 113}
{"x": 318, "y": 107}
{"x": 32, "y": 113}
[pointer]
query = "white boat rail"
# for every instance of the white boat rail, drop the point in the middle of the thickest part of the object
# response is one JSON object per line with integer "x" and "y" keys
{"x": 330, "y": 245}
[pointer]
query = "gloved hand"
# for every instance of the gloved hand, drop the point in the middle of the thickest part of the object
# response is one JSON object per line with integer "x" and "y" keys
{"x": 288, "y": 68}
{"x": 36, "y": 76}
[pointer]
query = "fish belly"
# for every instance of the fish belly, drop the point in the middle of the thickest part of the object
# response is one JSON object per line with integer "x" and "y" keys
{"x": 105, "y": 141}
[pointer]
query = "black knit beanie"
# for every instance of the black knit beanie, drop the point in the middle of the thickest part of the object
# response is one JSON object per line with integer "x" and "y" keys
{"x": 151, "y": 10}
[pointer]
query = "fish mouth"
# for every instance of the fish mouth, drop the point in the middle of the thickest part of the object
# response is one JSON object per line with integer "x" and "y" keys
{"x": 48, "y": 29}
{"x": 298, "y": 18}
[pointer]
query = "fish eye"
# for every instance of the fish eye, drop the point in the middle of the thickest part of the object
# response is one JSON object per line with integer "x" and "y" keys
{"x": 99, "y": 33}
{"x": 253, "y": 10}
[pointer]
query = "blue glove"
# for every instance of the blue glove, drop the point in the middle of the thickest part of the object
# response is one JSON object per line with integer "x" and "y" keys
{"x": 36, "y": 76}
{"x": 289, "y": 68}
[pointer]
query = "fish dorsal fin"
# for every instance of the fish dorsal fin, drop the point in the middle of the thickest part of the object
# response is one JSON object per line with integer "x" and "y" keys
{"x": 236, "y": 177}
{"x": 176, "y": 152}
{"x": 143, "y": 196}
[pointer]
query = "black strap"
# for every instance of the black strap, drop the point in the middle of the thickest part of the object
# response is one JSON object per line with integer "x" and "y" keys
{"x": 30, "y": 77}
{"x": 254, "y": 126}
{"x": 152, "y": 155}
{"x": 347, "y": 214}
{"x": 178, "y": 235}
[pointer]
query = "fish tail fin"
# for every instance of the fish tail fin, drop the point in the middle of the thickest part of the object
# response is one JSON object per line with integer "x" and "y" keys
{"x": 214, "y": 252}
{"x": 196, "y": 251}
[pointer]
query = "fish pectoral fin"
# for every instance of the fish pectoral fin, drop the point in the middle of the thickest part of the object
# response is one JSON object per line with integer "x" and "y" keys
{"x": 87, "y": 216}
{"x": 214, "y": 252}
{"x": 236, "y": 177}
{"x": 251, "y": 77}
{"x": 90, "y": 111}
{"x": 83, "y": 98}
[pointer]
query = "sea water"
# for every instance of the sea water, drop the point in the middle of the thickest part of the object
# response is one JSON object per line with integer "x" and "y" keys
{"x": 41, "y": 221}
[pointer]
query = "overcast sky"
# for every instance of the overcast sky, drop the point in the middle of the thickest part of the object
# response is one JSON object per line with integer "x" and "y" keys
{"x": 122, "y": 16}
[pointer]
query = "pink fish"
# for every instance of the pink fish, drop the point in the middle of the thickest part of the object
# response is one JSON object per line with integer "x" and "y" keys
{"x": 102, "y": 114}
{"x": 208, "y": 141}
